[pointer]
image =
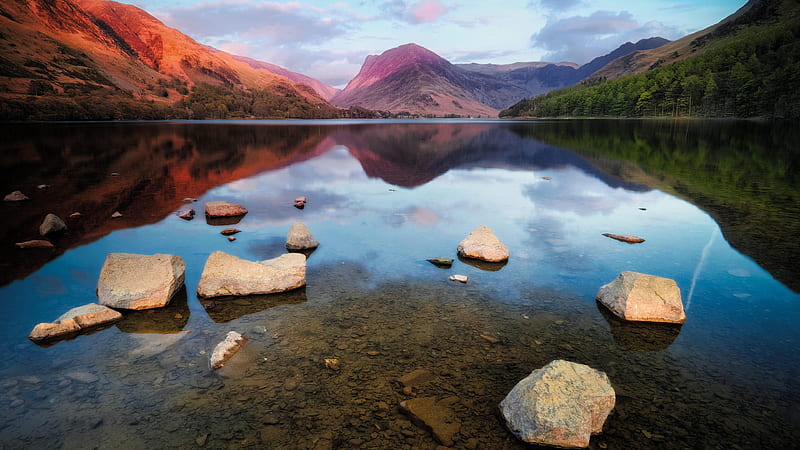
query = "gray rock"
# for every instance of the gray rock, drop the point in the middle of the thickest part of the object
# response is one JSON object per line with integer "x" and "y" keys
{"x": 641, "y": 297}
{"x": 15, "y": 196}
{"x": 226, "y": 349}
{"x": 130, "y": 281}
{"x": 52, "y": 224}
{"x": 75, "y": 320}
{"x": 441, "y": 261}
{"x": 299, "y": 238}
{"x": 224, "y": 209}
{"x": 561, "y": 405}
{"x": 225, "y": 275}
{"x": 483, "y": 244}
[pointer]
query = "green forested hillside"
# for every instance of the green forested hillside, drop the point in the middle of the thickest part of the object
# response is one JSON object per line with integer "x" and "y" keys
{"x": 750, "y": 69}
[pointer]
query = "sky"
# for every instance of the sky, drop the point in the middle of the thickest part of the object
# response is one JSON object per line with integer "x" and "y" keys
{"x": 329, "y": 39}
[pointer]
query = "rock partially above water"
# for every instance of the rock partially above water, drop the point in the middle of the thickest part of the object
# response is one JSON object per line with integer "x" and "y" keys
{"x": 436, "y": 415}
{"x": 116, "y": 215}
{"x": 230, "y": 231}
{"x": 224, "y": 209}
{"x": 226, "y": 274}
{"x": 641, "y": 297}
{"x": 299, "y": 238}
{"x": 483, "y": 244}
{"x": 624, "y": 238}
{"x": 130, "y": 281}
{"x": 16, "y": 196}
{"x": 73, "y": 321}
{"x": 441, "y": 261}
{"x": 226, "y": 349}
{"x": 186, "y": 214}
{"x": 561, "y": 404}
{"x": 52, "y": 224}
{"x": 36, "y": 243}
{"x": 459, "y": 278}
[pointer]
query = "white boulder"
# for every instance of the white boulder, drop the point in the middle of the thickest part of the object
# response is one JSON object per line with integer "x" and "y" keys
{"x": 641, "y": 297}
{"x": 130, "y": 281}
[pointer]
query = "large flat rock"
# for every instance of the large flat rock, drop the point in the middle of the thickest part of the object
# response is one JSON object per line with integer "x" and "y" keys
{"x": 74, "y": 321}
{"x": 640, "y": 297}
{"x": 224, "y": 209}
{"x": 225, "y": 275}
{"x": 130, "y": 281}
{"x": 482, "y": 244}
{"x": 561, "y": 405}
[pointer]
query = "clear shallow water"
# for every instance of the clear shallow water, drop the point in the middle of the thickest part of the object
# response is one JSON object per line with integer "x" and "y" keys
{"x": 383, "y": 197}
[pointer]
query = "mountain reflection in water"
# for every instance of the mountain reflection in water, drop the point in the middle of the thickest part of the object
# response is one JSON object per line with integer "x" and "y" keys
{"x": 383, "y": 197}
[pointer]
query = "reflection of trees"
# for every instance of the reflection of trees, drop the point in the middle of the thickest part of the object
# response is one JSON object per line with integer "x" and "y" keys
{"x": 744, "y": 174}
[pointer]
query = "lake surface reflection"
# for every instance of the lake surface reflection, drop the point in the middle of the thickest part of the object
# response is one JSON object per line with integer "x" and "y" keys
{"x": 715, "y": 201}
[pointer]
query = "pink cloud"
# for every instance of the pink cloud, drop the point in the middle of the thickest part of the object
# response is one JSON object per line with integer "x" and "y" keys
{"x": 427, "y": 10}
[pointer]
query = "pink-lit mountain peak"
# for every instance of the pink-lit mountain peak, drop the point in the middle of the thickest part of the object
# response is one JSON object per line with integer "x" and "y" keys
{"x": 378, "y": 67}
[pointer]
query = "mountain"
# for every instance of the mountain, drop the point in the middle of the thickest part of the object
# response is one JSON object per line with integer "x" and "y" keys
{"x": 98, "y": 58}
{"x": 415, "y": 80}
{"x": 625, "y": 49}
{"x": 324, "y": 90}
{"x": 744, "y": 66}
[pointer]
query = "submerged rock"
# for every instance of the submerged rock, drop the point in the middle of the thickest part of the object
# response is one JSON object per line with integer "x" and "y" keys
{"x": 225, "y": 275}
{"x": 561, "y": 404}
{"x": 74, "y": 321}
{"x": 641, "y": 297}
{"x": 483, "y": 244}
{"x": 16, "y": 196}
{"x": 416, "y": 378}
{"x": 624, "y": 238}
{"x": 36, "y": 243}
{"x": 226, "y": 349}
{"x": 131, "y": 281}
{"x": 224, "y": 209}
{"x": 52, "y": 224}
{"x": 299, "y": 238}
{"x": 435, "y": 415}
{"x": 441, "y": 261}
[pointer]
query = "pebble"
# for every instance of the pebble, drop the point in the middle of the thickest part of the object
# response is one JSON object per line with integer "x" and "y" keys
{"x": 116, "y": 215}
{"x": 332, "y": 363}
{"x": 231, "y": 238}
{"x": 489, "y": 339}
{"x": 201, "y": 440}
{"x": 75, "y": 215}
{"x": 459, "y": 278}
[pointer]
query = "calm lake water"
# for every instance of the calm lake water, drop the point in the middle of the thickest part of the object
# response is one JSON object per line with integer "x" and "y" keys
{"x": 717, "y": 203}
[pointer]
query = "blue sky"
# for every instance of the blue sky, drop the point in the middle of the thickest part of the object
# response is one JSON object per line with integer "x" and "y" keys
{"x": 329, "y": 39}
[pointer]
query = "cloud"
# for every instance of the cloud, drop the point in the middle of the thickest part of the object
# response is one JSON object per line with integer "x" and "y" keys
{"x": 421, "y": 11}
{"x": 467, "y": 56}
{"x": 553, "y": 5}
{"x": 581, "y": 38}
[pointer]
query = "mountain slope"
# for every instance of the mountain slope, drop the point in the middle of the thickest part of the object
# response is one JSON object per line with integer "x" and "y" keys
{"x": 413, "y": 79}
{"x": 747, "y": 65}
{"x": 63, "y": 51}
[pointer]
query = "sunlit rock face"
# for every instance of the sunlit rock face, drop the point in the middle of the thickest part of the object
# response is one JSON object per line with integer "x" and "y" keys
{"x": 484, "y": 245}
{"x": 226, "y": 275}
{"x": 641, "y": 297}
{"x": 130, "y": 281}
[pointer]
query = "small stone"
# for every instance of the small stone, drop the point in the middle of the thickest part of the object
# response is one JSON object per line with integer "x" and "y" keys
{"x": 441, "y": 261}
{"x": 229, "y": 231}
{"x": 489, "y": 339}
{"x": 52, "y": 224}
{"x": 299, "y": 238}
{"x": 408, "y": 390}
{"x": 642, "y": 209}
{"x": 459, "y": 278}
{"x": 186, "y": 214}
{"x": 201, "y": 440}
{"x": 226, "y": 349}
{"x": 116, "y": 215}
{"x": 43, "y": 187}
{"x": 75, "y": 215}
{"x": 36, "y": 243}
{"x": 231, "y": 238}
{"x": 16, "y": 196}
{"x": 546, "y": 178}
{"x": 624, "y": 238}
{"x": 300, "y": 200}
{"x": 114, "y": 174}
{"x": 290, "y": 384}
{"x": 373, "y": 353}
{"x": 189, "y": 200}
{"x": 383, "y": 406}
{"x": 416, "y": 377}
{"x": 332, "y": 363}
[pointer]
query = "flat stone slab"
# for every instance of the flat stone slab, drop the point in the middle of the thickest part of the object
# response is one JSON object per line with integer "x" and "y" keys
{"x": 74, "y": 321}
{"x": 299, "y": 238}
{"x": 224, "y": 209}
{"x": 435, "y": 415}
{"x": 225, "y": 275}
{"x": 625, "y": 238}
{"x": 641, "y": 297}
{"x": 561, "y": 405}
{"x": 226, "y": 349}
{"x": 130, "y": 281}
{"x": 483, "y": 244}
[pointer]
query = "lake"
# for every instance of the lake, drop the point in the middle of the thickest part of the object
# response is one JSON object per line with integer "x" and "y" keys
{"x": 716, "y": 201}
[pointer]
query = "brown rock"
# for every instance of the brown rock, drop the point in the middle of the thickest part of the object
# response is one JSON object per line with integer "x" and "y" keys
{"x": 186, "y": 214}
{"x": 225, "y": 275}
{"x": 130, "y": 281}
{"x": 435, "y": 415}
{"x": 332, "y": 363}
{"x": 489, "y": 339}
{"x": 624, "y": 238}
{"x": 229, "y": 231}
{"x": 15, "y": 196}
{"x": 641, "y": 297}
{"x": 224, "y": 209}
{"x": 299, "y": 238}
{"x": 483, "y": 244}
{"x": 417, "y": 377}
{"x": 116, "y": 215}
{"x": 74, "y": 321}
{"x": 36, "y": 243}
{"x": 52, "y": 224}
{"x": 231, "y": 238}
{"x": 226, "y": 349}
{"x": 75, "y": 215}
{"x": 561, "y": 405}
